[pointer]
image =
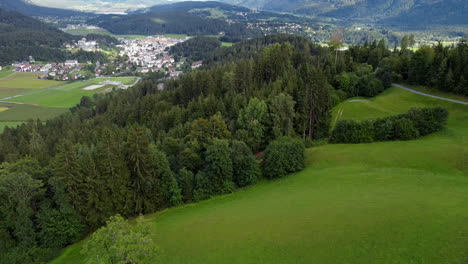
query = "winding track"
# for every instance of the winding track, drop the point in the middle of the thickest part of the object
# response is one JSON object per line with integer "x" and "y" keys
{"x": 429, "y": 95}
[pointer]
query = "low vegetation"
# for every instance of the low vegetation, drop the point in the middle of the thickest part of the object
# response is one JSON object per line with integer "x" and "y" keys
{"x": 415, "y": 123}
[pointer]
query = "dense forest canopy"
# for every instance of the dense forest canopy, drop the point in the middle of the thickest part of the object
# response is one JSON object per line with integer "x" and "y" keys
{"x": 141, "y": 150}
{"x": 22, "y": 36}
{"x": 26, "y": 8}
{"x": 170, "y": 22}
{"x": 400, "y": 13}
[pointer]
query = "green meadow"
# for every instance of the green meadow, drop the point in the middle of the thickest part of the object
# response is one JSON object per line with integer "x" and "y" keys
{"x": 19, "y": 83}
{"x": 4, "y": 74}
{"x": 68, "y": 95}
{"x": 84, "y": 32}
{"x": 9, "y": 124}
{"x": 12, "y": 115}
{"x": 387, "y": 202}
{"x": 45, "y": 104}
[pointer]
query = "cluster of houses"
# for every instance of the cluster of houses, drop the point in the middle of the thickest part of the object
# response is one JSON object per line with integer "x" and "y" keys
{"x": 84, "y": 45}
{"x": 151, "y": 53}
{"x": 59, "y": 71}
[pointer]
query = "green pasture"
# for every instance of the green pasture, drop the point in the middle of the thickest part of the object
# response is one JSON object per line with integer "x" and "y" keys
{"x": 68, "y": 95}
{"x": 8, "y": 124}
{"x": 4, "y": 74}
{"x": 388, "y": 202}
{"x": 19, "y": 83}
{"x": 84, "y": 32}
{"x": 24, "y": 112}
{"x": 227, "y": 44}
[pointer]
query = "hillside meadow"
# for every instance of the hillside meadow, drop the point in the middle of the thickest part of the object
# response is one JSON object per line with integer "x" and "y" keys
{"x": 388, "y": 202}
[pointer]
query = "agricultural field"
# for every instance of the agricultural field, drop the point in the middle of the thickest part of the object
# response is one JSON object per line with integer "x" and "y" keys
{"x": 227, "y": 44}
{"x": 49, "y": 103}
{"x": 4, "y": 74}
{"x": 19, "y": 83}
{"x": 68, "y": 95}
{"x": 387, "y": 202}
{"x": 84, "y": 32}
{"x": 12, "y": 115}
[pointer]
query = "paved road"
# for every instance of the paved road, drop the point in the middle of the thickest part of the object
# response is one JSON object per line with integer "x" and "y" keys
{"x": 430, "y": 95}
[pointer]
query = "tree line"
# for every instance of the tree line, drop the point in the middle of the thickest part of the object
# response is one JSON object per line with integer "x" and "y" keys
{"x": 417, "y": 122}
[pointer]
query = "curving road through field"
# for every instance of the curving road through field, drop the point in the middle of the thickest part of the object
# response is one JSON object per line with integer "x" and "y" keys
{"x": 429, "y": 95}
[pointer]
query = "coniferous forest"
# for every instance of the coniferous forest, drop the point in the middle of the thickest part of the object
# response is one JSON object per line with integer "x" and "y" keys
{"x": 210, "y": 132}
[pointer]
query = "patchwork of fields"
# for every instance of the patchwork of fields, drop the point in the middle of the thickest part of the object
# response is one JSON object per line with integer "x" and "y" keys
{"x": 23, "y": 96}
{"x": 387, "y": 202}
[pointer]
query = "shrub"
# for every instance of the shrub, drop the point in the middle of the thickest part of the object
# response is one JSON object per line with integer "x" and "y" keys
{"x": 384, "y": 129}
{"x": 404, "y": 129}
{"x": 351, "y": 131}
{"x": 283, "y": 156}
{"x": 413, "y": 124}
{"x": 245, "y": 167}
{"x": 428, "y": 120}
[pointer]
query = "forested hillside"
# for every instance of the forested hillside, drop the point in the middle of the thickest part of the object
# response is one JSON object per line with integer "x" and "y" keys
{"x": 22, "y": 36}
{"x": 400, "y": 12}
{"x": 169, "y": 22}
{"x": 141, "y": 150}
{"x": 26, "y": 8}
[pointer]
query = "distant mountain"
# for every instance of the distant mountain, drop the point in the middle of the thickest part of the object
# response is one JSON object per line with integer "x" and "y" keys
{"x": 22, "y": 36}
{"x": 27, "y": 8}
{"x": 190, "y": 5}
{"x": 398, "y": 12}
{"x": 190, "y": 18}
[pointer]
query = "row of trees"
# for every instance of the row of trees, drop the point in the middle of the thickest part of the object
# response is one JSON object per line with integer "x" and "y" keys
{"x": 438, "y": 66}
{"x": 415, "y": 123}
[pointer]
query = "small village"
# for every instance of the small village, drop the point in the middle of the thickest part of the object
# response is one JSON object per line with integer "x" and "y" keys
{"x": 68, "y": 70}
{"x": 150, "y": 54}
{"x": 84, "y": 44}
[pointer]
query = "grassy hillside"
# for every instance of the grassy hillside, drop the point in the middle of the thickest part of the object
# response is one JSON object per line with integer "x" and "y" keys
{"x": 388, "y": 202}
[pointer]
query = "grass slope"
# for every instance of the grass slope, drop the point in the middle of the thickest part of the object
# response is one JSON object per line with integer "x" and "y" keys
{"x": 387, "y": 202}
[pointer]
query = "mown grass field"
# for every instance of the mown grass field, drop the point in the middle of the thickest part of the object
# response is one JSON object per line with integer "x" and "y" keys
{"x": 68, "y": 95}
{"x": 15, "y": 114}
{"x": 8, "y": 124}
{"x": 388, "y": 202}
{"x": 84, "y": 32}
{"x": 4, "y": 74}
{"x": 49, "y": 103}
{"x": 19, "y": 83}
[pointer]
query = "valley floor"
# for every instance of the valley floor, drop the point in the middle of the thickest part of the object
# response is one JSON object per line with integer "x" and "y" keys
{"x": 387, "y": 202}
